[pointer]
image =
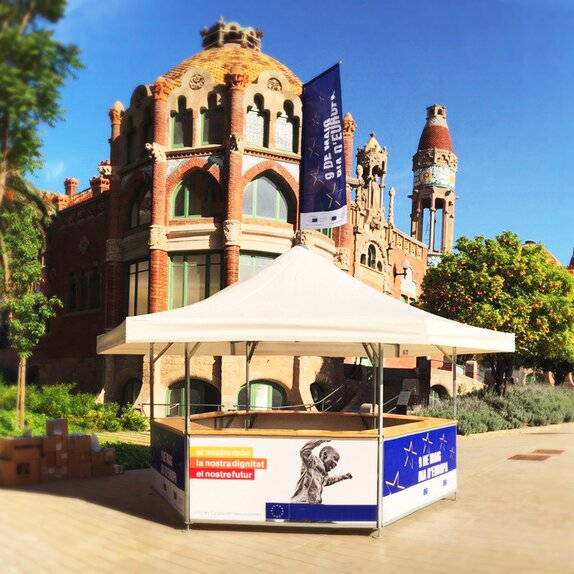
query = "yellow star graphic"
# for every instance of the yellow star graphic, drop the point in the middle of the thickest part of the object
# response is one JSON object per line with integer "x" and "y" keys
{"x": 331, "y": 196}
{"x": 313, "y": 149}
{"x": 428, "y": 442}
{"x": 315, "y": 176}
{"x": 409, "y": 450}
{"x": 394, "y": 483}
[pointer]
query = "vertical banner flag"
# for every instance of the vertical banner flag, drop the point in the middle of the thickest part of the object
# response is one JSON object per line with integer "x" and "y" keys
{"x": 322, "y": 182}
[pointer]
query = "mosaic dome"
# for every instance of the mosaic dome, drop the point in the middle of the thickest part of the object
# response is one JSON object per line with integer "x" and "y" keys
{"x": 435, "y": 133}
{"x": 228, "y": 45}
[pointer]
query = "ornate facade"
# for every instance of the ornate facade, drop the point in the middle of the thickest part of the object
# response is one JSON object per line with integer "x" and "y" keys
{"x": 201, "y": 191}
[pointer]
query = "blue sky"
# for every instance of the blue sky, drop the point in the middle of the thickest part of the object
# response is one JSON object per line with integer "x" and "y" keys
{"x": 503, "y": 68}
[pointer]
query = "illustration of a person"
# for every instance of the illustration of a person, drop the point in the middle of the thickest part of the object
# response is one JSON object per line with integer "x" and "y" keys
{"x": 315, "y": 472}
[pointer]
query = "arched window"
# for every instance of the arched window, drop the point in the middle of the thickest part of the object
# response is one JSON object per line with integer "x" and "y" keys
{"x": 198, "y": 195}
{"x": 71, "y": 295}
{"x": 205, "y": 398}
{"x": 257, "y": 124}
{"x": 131, "y": 391}
{"x": 181, "y": 123}
{"x": 265, "y": 395}
{"x": 372, "y": 256}
{"x": 212, "y": 120}
{"x": 95, "y": 288}
{"x": 287, "y": 129}
{"x": 264, "y": 198}
{"x": 138, "y": 285}
{"x": 147, "y": 130}
{"x": 130, "y": 141}
{"x": 140, "y": 208}
{"x": 252, "y": 263}
{"x": 193, "y": 277}
{"x": 83, "y": 285}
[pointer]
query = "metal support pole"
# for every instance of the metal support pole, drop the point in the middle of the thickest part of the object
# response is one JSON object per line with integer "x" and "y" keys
{"x": 247, "y": 382}
{"x": 151, "y": 381}
{"x": 371, "y": 355}
{"x": 186, "y": 509}
{"x": 380, "y": 442}
{"x": 249, "y": 351}
{"x": 454, "y": 382}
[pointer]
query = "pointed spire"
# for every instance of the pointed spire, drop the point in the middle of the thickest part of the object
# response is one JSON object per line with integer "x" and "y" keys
{"x": 436, "y": 133}
{"x": 392, "y": 206}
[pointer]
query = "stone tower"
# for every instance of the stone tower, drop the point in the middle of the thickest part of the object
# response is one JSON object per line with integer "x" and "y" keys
{"x": 434, "y": 169}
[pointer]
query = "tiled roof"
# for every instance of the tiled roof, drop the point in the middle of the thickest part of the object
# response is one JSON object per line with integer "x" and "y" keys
{"x": 218, "y": 62}
{"x": 435, "y": 136}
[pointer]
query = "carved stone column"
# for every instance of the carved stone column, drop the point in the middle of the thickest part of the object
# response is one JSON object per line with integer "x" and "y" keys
{"x": 159, "y": 260}
{"x": 432, "y": 215}
{"x": 343, "y": 235}
{"x": 114, "y": 284}
{"x": 114, "y": 279}
{"x": 236, "y": 80}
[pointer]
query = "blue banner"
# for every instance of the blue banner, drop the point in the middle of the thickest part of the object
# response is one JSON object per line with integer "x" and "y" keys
{"x": 322, "y": 182}
{"x": 168, "y": 454}
{"x": 297, "y": 512}
{"x": 414, "y": 459}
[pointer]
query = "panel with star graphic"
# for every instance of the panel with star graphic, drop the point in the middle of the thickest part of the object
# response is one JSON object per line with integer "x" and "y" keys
{"x": 419, "y": 469}
{"x": 323, "y": 182}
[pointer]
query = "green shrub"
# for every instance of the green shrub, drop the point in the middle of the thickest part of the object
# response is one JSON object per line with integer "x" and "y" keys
{"x": 8, "y": 397}
{"x": 483, "y": 411}
{"x": 83, "y": 411}
{"x": 132, "y": 419}
{"x": 35, "y": 422}
{"x": 132, "y": 456}
{"x": 103, "y": 416}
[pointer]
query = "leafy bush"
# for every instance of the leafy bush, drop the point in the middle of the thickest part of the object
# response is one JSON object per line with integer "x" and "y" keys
{"x": 132, "y": 419}
{"x": 8, "y": 397}
{"x": 82, "y": 410}
{"x": 483, "y": 411}
{"x": 132, "y": 456}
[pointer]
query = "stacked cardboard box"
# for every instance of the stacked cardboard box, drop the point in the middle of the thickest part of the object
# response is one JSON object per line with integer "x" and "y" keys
{"x": 55, "y": 456}
{"x": 19, "y": 461}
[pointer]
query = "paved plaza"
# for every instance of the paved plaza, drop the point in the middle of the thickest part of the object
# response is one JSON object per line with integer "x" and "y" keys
{"x": 511, "y": 515}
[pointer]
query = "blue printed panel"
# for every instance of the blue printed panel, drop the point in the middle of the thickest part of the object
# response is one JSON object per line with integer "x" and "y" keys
{"x": 320, "y": 512}
{"x": 168, "y": 454}
{"x": 416, "y": 458}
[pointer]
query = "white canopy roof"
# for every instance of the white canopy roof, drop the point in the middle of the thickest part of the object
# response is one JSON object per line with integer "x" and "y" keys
{"x": 300, "y": 305}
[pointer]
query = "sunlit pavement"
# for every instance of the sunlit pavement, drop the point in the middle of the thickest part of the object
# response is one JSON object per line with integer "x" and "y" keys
{"x": 510, "y": 516}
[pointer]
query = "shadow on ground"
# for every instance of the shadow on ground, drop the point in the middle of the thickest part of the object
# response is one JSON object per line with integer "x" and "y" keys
{"x": 130, "y": 493}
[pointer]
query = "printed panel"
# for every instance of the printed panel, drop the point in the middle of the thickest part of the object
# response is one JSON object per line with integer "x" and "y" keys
{"x": 263, "y": 479}
{"x": 418, "y": 469}
{"x": 168, "y": 464}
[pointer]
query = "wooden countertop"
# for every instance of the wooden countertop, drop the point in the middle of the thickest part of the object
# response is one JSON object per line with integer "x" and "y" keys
{"x": 301, "y": 424}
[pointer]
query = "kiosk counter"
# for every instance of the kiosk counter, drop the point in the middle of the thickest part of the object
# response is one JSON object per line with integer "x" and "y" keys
{"x": 301, "y": 468}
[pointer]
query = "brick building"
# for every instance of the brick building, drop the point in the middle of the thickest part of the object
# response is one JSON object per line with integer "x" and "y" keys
{"x": 200, "y": 191}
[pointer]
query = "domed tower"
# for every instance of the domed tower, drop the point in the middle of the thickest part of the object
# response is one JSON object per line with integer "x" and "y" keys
{"x": 434, "y": 169}
{"x": 203, "y": 157}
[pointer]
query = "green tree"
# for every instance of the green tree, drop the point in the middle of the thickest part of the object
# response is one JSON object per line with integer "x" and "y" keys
{"x": 21, "y": 243}
{"x": 503, "y": 285}
{"x": 33, "y": 69}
